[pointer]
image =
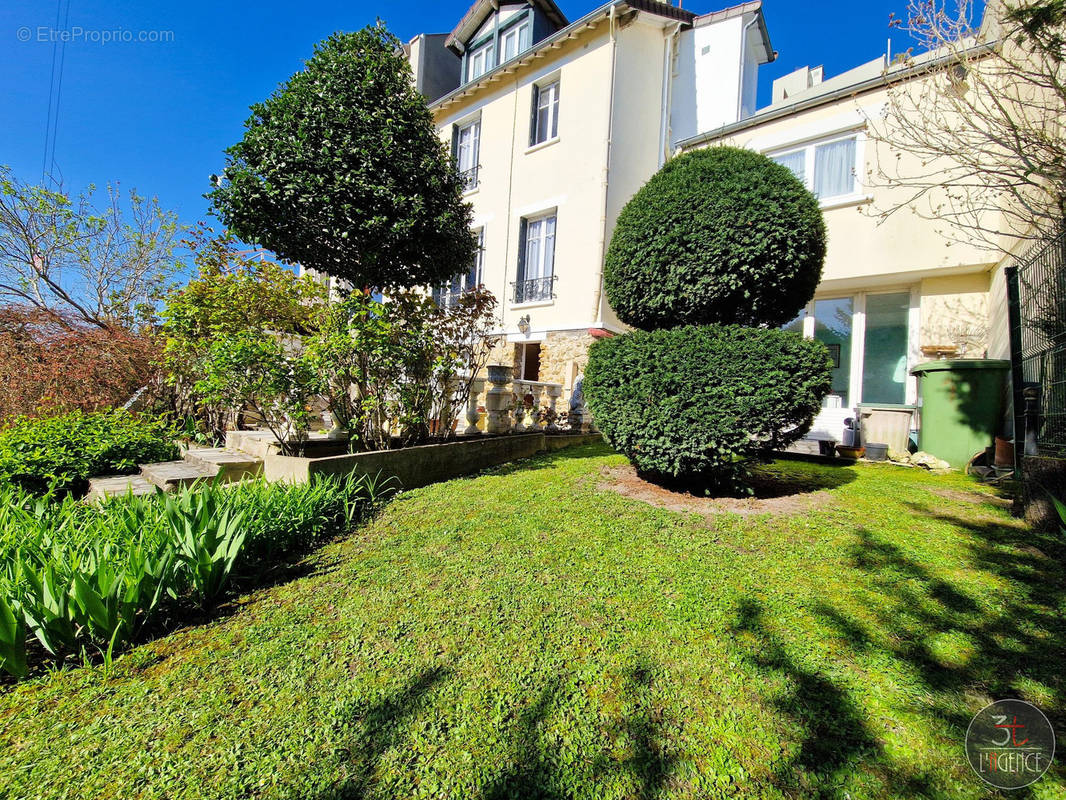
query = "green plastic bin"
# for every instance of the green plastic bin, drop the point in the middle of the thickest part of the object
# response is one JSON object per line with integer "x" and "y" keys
{"x": 961, "y": 406}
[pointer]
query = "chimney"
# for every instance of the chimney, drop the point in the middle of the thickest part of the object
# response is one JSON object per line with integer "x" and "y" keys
{"x": 795, "y": 82}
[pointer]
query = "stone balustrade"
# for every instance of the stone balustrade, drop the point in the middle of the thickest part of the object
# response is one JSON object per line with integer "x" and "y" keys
{"x": 519, "y": 406}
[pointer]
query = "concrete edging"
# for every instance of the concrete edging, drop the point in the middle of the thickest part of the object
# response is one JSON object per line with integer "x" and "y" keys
{"x": 425, "y": 464}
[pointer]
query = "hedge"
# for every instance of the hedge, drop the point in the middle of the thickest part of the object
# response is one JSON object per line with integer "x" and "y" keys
{"x": 695, "y": 403}
{"x": 64, "y": 451}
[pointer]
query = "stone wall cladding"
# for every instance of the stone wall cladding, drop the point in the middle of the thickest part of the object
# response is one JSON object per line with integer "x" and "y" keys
{"x": 561, "y": 350}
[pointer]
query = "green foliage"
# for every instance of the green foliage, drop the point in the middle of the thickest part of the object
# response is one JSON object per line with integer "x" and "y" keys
{"x": 230, "y": 296}
{"x": 65, "y": 451}
{"x": 341, "y": 170}
{"x": 76, "y": 578}
{"x": 260, "y": 372}
{"x": 720, "y": 235}
{"x": 405, "y": 362}
{"x": 209, "y": 536}
{"x": 698, "y": 403}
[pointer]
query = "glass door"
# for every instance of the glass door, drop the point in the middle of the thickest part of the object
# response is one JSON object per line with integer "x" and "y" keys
{"x": 833, "y": 327}
{"x": 884, "y": 371}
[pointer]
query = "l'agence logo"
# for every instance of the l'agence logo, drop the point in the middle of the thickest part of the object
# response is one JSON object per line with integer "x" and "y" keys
{"x": 1010, "y": 744}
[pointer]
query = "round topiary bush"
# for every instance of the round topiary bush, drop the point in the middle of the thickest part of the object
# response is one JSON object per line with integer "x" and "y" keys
{"x": 721, "y": 235}
{"x": 694, "y": 403}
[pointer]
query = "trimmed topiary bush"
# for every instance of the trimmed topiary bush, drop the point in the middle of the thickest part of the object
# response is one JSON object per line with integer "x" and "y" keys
{"x": 721, "y": 235}
{"x": 695, "y": 403}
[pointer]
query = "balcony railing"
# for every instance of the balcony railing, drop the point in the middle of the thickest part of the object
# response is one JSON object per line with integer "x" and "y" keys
{"x": 534, "y": 290}
{"x": 469, "y": 177}
{"x": 448, "y": 298}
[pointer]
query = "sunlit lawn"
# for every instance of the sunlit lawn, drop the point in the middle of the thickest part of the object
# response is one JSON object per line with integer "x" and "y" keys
{"x": 529, "y": 634}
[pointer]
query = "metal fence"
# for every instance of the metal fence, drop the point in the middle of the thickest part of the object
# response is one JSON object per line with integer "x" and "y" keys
{"x": 1036, "y": 301}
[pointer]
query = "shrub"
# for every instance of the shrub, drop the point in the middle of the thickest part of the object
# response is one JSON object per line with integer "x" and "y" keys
{"x": 77, "y": 578}
{"x": 717, "y": 236}
{"x": 698, "y": 402}
{"x": 66, "y": 450}
{"x": 55, "y": 362}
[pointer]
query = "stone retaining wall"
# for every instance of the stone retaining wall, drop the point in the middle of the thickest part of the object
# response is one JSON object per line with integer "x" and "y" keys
{"x": 421, "y": 466}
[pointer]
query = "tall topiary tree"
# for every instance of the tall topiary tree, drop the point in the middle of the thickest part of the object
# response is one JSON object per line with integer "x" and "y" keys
{"x": 718, "y": 240}
{"x": 718, "y": 235}
{"x": 341, "y": 170}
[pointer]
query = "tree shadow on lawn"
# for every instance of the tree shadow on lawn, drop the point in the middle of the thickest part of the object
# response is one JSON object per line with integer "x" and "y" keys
{"x": 376, "y": 728}
{"x": 1009, "y": 646}
{"x": 646, "y": 763}
{"x": 529, "y": 772}
{"x": 834, "y": 740}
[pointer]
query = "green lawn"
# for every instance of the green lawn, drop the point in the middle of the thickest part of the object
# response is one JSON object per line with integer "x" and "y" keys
{"x": 527, "y": 634}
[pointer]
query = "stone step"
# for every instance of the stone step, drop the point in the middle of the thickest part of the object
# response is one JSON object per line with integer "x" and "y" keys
{"x": 230, "y": 464}
{"x": 258, "y": 444}
{"x": 172, "y": 475}
{"x": 118, "y": 485}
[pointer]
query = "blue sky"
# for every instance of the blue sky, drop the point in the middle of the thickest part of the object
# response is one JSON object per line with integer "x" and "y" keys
{"x": 157, "y": 115}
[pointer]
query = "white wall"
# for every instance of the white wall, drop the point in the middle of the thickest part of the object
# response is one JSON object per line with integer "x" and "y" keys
{"x": 707, "y": 81}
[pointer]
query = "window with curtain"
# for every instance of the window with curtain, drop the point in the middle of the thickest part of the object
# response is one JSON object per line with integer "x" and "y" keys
{"x": 828, "y": 169}
{"x": 467, "y": 147}
{"x": 515, "y": 40}
{"x": 480, "y": 61}
{"x": 540, "y": 248}
{"x": 834, "y": 169}
{"x": 795, "y": 161}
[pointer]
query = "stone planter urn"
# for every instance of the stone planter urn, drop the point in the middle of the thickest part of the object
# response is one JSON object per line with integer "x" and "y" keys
{"x": 498, "y": 399}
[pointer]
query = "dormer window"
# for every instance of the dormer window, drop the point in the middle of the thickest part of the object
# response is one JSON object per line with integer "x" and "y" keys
{"x": 494, "y": 32}
{"x": 481, "y": 60}
{"x": 515, "y": 40}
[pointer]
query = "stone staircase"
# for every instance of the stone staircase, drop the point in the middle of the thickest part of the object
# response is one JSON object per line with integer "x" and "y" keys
{"x": 241, "y": 458}
{"x": 196, "y": 464}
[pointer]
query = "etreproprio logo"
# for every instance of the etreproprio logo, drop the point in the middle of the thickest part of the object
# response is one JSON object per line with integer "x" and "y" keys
{"x": 1010, "y": 744}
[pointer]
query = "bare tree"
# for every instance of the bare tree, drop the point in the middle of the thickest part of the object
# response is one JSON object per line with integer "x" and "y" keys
{"x": 106, "y": 265}
{"x": 974, "y": 124}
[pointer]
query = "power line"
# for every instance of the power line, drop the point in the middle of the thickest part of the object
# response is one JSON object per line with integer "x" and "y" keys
{"x": 55, "y": 90}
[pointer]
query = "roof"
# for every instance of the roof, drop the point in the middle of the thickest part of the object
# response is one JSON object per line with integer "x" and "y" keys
{"x": 753, "y": 7}
{"x": 571, "y": 31}
{"x": 476, "y": 14}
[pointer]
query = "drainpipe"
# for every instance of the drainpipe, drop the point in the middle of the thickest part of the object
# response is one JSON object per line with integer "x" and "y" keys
{"x": 669, "y": 54}
{"x": 597, "y": 294}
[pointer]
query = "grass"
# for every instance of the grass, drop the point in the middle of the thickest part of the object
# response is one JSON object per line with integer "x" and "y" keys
{"x": 527, "y": 634}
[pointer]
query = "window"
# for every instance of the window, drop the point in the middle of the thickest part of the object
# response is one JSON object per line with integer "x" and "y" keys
{"x": 828, "y": 169}
{"x": 832, "y": 326}
{"x": 514, "y": 40}
{"x": 467, "y": 149}
{"x": 545, "y": 122}
{"x": 480, "y": 60}
{"x": 536, "y": 260}
{"x": 448, "y": 295}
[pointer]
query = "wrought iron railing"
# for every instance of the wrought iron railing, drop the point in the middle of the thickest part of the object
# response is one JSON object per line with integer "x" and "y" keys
{"x": 469, "y": 177}
{"x": 448, "y": 298}
{"x": 1036, "y": 300}
{"x": 534, "y": 290}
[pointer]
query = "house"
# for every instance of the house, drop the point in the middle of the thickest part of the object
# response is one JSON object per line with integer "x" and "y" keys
{"x": 555, "y": 125}
{"x": 894, "y": 291}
